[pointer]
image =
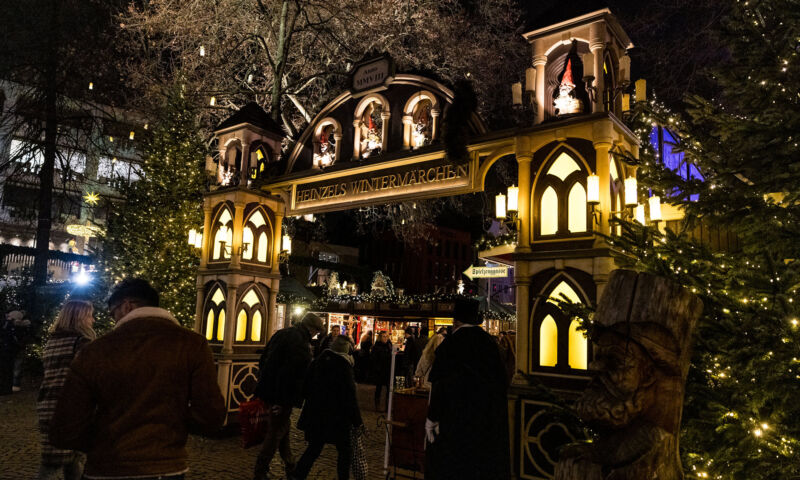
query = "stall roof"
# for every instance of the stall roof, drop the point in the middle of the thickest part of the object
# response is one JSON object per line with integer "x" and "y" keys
{"x": 291, "y": 286}
{"x": 500, "y": 254}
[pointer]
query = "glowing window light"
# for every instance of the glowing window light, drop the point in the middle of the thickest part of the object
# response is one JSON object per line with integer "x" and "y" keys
{"x": 578, "y": 347}
{"x": 548, "y": 342}
{"x": 221, "y": 326}
{"x": 255, "y": 330}
{"x": 549, "y": 212}
{"x": 241, "y": 326}
{"x": 576, "y": 212}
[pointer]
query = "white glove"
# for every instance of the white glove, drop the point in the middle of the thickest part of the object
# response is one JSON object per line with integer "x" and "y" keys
{"x": 431, "y": 430}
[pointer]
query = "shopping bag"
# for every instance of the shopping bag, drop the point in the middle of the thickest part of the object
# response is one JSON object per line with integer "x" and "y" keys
{"x": 358, "y": 463}
{"x": 253, "y": 418}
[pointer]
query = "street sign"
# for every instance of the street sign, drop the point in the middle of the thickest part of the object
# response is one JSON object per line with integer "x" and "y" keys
{"x": 486, "y": 272}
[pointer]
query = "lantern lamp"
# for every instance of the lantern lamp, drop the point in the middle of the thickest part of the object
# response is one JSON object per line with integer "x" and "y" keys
{"x": 192, "y": 236}
{"x": 626, "y": 102}
{"x": 639, "y": 214}
{"x": 198, "y": 240}
{"x": 513, "y": 198}
{"x": 593, "y": 189}
{"x": 655, "y": 208}
{"x": 588, "y": 66}
{"x": 516, "y": 93}
{"x": 530, "y": 79}
{"x": 641, "y": 90}
{"x": 287, "y": 244}
{"x": 625, "y": 69}
{"x": 631, "y": 194}
{"x": 500, "y": 206}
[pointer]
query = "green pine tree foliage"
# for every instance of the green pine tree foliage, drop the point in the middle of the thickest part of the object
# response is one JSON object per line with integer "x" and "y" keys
{"x": 147, "y": 235}
{"x": 742, "y": 409}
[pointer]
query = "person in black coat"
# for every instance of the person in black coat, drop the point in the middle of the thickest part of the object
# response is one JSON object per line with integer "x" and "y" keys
{"x": 331, "y": 408}
{"x": 362, "y": 358}
{"x": 8, "y": 351}
{"x": 282, "y": 373}
{"x": 410, "y": 355}
{"x": 380, "y": 366}
{"x": 467, "y": 424}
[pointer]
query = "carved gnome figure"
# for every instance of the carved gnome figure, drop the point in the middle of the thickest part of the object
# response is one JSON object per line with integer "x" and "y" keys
{"x": 634, "y": 403}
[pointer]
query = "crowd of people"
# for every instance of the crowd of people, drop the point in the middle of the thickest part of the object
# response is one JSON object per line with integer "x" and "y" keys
{"x": 121, "y": 406}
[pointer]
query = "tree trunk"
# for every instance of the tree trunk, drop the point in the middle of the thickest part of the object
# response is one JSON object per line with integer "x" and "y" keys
{"x": 46, "y": 172}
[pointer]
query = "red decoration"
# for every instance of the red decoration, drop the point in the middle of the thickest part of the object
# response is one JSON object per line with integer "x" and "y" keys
{"x": 323, "y": 138}
{"x": 567, "y": 78}
{"x": 370, "y": 123}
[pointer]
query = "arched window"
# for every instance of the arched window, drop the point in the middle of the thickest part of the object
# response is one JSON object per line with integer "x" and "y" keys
{"x": 215, "y": 315}
{"x": 228, "y": 173}
{"x": 262, "y": 156}
{"x": 256, "y": 237}
{"x": 609, "y": 82}
{"x": 250, "y": 320}
{"x": 326, "y": 143}
{"x": 560, "y": 198}
{"x": 578, "y": 347}
{"x": 422, "y": 123}
{"x": 548, "y": 342}
{"x": 222, "y": 235}
{"x": 557, "y": 330}
{"x": 372, "y": 130}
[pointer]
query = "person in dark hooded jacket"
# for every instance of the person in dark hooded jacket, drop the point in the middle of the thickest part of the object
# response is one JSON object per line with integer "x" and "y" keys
{"x": 331, "y": 408}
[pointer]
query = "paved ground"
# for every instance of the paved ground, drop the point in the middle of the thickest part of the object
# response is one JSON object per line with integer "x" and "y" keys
{"x": 222, "y": 458}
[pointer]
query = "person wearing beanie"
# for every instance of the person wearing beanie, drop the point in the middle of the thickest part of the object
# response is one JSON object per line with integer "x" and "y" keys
{"x": 282, "y": 372}
{"x": 467, "y": 426}
{"x": 331, "y": 408}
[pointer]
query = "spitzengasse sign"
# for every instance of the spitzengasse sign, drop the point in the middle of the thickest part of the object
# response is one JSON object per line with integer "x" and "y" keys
{"x": 417, "y": 180}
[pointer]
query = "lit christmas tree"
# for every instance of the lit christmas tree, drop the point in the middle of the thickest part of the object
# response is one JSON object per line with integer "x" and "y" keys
{"x": 742, "y": 410}
{"x": 147, "y": 235}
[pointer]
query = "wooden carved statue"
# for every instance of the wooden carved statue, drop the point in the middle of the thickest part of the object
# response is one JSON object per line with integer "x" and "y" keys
{"x": 644, "y": 327}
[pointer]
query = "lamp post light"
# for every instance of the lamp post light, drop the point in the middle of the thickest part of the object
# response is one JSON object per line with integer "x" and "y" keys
{"x": 506, "y": 206}
{"x": 655, "y": 210}
{"x": 195, "y": 238}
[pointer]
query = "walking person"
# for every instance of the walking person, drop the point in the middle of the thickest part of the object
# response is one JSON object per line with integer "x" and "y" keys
{"x": 410, "y": 355}
{"x": 282, "y": 372}
{"x": 427, "y": 357}
{"x": 71, "y": 331}
{"x": 8, "y": 351}
{"x": 380, "y": 365}
{"x": 325, "y": 344}
{"x": 132, "y": 396}
{"x": 331, "y": 409}
{"x": 362, "y": 357}
{"x": 467, "y": 424}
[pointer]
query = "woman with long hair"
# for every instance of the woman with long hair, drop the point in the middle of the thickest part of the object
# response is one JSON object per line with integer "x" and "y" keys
{"x": 70, "y": 332}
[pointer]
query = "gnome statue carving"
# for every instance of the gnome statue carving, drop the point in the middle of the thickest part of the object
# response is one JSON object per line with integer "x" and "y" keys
{"x": 634, "y": 402}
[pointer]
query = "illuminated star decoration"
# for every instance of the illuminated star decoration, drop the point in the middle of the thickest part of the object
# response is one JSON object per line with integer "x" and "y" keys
{"x": 91, "y": 198}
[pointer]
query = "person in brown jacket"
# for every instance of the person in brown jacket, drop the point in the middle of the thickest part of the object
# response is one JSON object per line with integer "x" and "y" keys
{"x": 132, "y": 396}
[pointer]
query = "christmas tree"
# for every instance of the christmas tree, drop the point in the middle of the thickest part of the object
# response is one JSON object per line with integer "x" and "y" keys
{"x": 147, "y": 235}
{"x": 742, "y": 410}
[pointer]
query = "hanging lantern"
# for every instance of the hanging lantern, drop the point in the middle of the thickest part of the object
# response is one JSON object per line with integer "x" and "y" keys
{"x": 91, "y": 86}
{"x": 631, "y": 193}
{"x": 655, "y": 208}
{"x": 131, "y": 135}
{"x": 513, "y": 198}
{"x": 202, "y": 51}
{"x": 500, "y": 206}
{"x": 593, "y": 189}
{"x": 192, "y": 236}
{"x": 626, "y": 102}
{"x": 198, "y": 240}
{"x": 530, "y": 79}
{"x": 213, "y": 101}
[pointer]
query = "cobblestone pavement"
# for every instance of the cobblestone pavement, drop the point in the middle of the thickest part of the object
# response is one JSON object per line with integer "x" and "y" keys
{"x": 217, "y": 458}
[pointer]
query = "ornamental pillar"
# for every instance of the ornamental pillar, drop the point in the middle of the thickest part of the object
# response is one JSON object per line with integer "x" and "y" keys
{"x": 272, "y": 309}
{"x": 198, "y": 309}
{"x": 524, "y": 204}
{"x": 356, "y": 139}
{"x": 206, "y": 239}
{"x": 277, "y": 237}
{"x": 408, "y": 120}
{"x": 385, "y": 131}
{"x": 337, "y": 149}
{"x": 539, "y": 62}
{"x": 244, "y": 174}
{"x": 238, "y": 232}
{"x": 597, "y": 45}
{"x": 603, "y": 171}
{"x": 523, "y": 284}
{"x": 435, "y": 114}
{"x": 230, "y": 320}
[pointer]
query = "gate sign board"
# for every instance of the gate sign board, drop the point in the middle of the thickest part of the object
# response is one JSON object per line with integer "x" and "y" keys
{"x": 486, "y": 272}
{"x": 426, "y": 179}
{"x": 371, "y": 74}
